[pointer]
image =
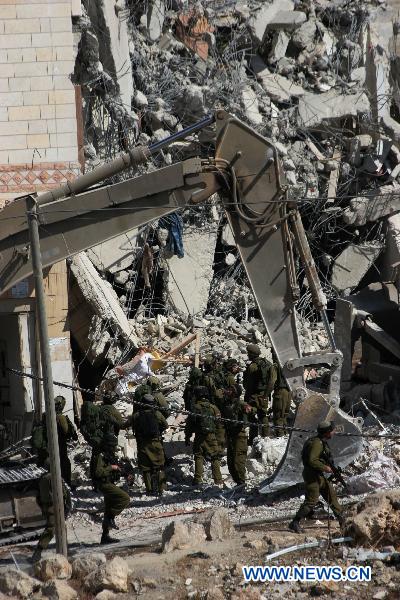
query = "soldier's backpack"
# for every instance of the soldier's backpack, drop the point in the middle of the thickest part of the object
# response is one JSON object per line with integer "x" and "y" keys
{"x": 205, "y": 420}
{"x": 92, "y": 426}
{"x": 268, "y": 374}
{"x": 39, "y": 437}
{"x": 146, "y": 424}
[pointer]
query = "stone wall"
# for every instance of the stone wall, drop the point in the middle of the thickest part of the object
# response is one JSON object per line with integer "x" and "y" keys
{"x": 38, "y": 125}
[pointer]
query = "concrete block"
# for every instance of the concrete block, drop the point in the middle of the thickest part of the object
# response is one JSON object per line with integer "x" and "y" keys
{"x": 66, "y": 126}
{"x": 22, "y": 26}
{"x": 62, "y": 67}
{"x": 4, "y": 85}
{"x": 30, "y": 69}
{"x": 29, "y": 55}
{"x": 316, "y": 108}
{"x": 36, "y": 97}
{"x": 42, "y": 83}
{"x": 61, "y": 82}
{"x": 45, "y": 25}
{"x": 37, "y": 127}
{"x": 40, "y": 40}
{"x": 13, "y": 128}
{"x": 280, "y": 88}
{"x": 68, "y": 154}
{"x": 8, "y": 11}
{"x": 31, "y": 11}
{"x": 65, "y": 111}
{"x": 64, "y": 52}
{"x": 114, "y": 255}
{"x": 24, "y": 113}
{"x": 279, "y": 46}
{"x": 65, "y": 38}
{"x": 13, "y": 142}
{"x": 287, "y": 19}
{"x": 20, "y": 40}
{"x": 154, "y": 19}
{"x": 14, "y": 55}
{"x": 51, "y": 125}
{"x": 40, "y": 140}
{"x": 60, "y": 24}
{"x": 250, "y": 103}
{"x": 11, "y": 99}
{"x": 260, "y": 20}
{"x": 45, "y": 54}
{"x": 352, "y": 264}
{"x": 48, "y": 112}
{"x": 62, "y": 96}
{"x": 7, "y": 70}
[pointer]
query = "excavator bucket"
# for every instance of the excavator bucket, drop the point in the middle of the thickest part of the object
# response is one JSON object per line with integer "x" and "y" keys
{"x": 254, "y": 210}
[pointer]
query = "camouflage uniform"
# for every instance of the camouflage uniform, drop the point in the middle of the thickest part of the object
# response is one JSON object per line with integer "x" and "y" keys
{"x": 258, "y": 381}
{"x": 151, "y": 387}
{"x": 214, "y": 380}
{"x": 151, "y": 456}
{"x": 112, "y": 419}
{"x": 281, "y": 402}
{"x": 104, "y": 478}
{"x": 316, "y": 456}
{"x": 205, "y": 444}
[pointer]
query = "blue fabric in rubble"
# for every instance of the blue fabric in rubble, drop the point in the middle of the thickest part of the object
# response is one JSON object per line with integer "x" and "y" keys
{"x": 174, "y": 224}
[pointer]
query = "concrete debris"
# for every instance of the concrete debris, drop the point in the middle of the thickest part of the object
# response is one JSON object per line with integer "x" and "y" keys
{"x": 83, "y": 565}
{"x": 17, "y": 584}
{"x": 374, "y": 205}
{"x": 218, "y": 525}
{"x": 382, "y": 472}
{"x": 279, "y": 88}
{"x": 315, "y": 109}
{"x": 112, "y": 575}
{"x": 55, "y": 567}
{"x": 58, "y": 590}
{"x": 179, "y": 535}
{"x": 376, "y": 519}
{"x": 352, "y": 264}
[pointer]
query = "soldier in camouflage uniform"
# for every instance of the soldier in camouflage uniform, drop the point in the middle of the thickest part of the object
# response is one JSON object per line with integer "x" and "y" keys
{"x": 235, "y": 409}
{"x": 148, "y": 425}
{"x": 258, "y": 381}
{"x": 105, "y": 473}
{"x": 45, "y": 500}
{"x": 152, "y": 387}
{"x": 214, "y": 380}
{"x": 205, "y": 444}
{"x": 111, "y": 418}
{"x": 196, "y": 379}
{"x": 316, "y": 456}
{"x": 281, "y": 401}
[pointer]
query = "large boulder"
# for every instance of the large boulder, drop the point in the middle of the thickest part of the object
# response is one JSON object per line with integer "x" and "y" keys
{"x": 376, "y": 519}
{"x": 54, "y": 567}
{"x": 218, "y": 525}
{"x": 17, "y": 584}
{"x": 179, "y": 535}
{"x": 83, "y": 565}
{"x": 113, "y": 576}
{"x": 58, "y": 590}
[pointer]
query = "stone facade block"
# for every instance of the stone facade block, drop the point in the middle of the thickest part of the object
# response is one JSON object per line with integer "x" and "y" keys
{"x": 40, "y": 40}
{"x": 47, "y": 112}
{"x": 45, "y": 54}
{"x": 13, "y": 128}
{"x": 62, "y": 96}
{"x": 4, "y": 85}
{"x": 38, "y": 126}
{"x": 42, "y": 83}
{"x": 22, "y": 26}
{"x": 32, "y": 98}
{"x": 45, "y": 25}
{"x": 66, "y": 126}
{"x": 20, "y": 40}
{"x": 23, "y": 113}
{"x": 29, "y": 55}
{"x": 8, "y": 11}
{"x": 61, "y": 82}
{"x": 63, "y": 52}
{"x": 60, "y": 24}
{"x": 40, "y": 140}
{"x": 61, "y": 67}
{"x": 3, "y": 56}
{"x": 12, "y": 142}
{"x": 19, "y": 84}
{"x": 11, "y": 99}
{"x": 53, "y": 9}
{"x": 65, "y": 111}
{"x": 30, "y": 69}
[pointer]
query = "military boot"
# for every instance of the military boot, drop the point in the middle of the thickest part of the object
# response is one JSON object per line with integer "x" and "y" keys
{"x": 105, "y": 537}
{"x": 113, "y": 524}
{"x": 295, "y": 526}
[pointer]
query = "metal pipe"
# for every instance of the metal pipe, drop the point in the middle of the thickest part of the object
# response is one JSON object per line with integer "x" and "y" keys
{"x": 51, "y": 421}
{"x": 133, "y": 157}
{"x": 328, "y": 329}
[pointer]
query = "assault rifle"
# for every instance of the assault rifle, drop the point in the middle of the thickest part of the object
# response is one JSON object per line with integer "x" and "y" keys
{"x": 337, "y": 474}
{"x": 127, "y": 470}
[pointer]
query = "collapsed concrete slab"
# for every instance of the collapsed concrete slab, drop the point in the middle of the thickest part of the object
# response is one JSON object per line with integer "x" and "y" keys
{"x": 103, "y": 304}
{"x": 189, "y": 278}
{"x": 250, "y": 103}
{"x": 287, "y": 19}
{"x": 279, "y": 88}
{"x": 352, "y": 264}
{"x": 373, "y": 206}
{"x": 314, "y": 109}
{"x": 259, "y": 22}
{"x": 116, "y": 254}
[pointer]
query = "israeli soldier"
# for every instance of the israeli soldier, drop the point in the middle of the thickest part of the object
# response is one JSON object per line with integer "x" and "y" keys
{"x": 258, "y": 381}
{"x": 316, "y": 457}
{"x": 214, "y": 380}
{"x": 105, "y": 473}
{"x": 112, "y": 420}
{"x": 235, "y": 409}
{"x": 148, "y": 424}
{"x": 152, "y": 387}
{"x": 281, "y": 401}
{"x": 205, "y": 444}
{"x": 196, "y": 379}
{"x": 45, "y": 500}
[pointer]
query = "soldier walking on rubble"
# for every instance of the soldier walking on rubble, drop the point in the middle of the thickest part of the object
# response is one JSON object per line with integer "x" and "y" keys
{"x": 316, "y": 457}
{"x": 258, "y": 381}
{"x": 105, "y": 473}
{"x": 148, "y": 425}
{"x": 111, "y": 418}
{"x": 281, "y": 401}
{"x": 235, "y": 409}
{"x": 214, "y": 380}
{"x": 66, "y": 433}
{"x": 205, "y": 444}
{"x": 45, "y": 501}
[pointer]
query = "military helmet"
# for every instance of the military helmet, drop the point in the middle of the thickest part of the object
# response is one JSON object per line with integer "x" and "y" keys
{"x": 59, "y": 402}
{"x": 110, "y": 440}
{"x": 325, "y": 427}
{"x": 231, "y": 362}
{"x": 153, "y": 382}
{"x": 253, "y": 350}
{"x": 195, "y": 374}
{"x": 202, "y": 392}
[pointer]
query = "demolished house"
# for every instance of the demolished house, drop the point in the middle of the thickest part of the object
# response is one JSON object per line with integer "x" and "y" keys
{"x": 317, "y": 79}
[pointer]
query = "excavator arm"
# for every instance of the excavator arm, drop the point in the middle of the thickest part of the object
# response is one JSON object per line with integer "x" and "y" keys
{"x": 269, "y": 235}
